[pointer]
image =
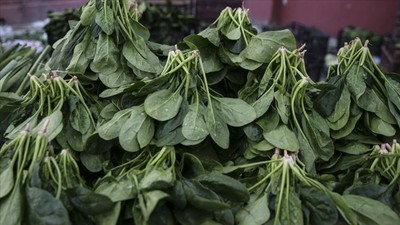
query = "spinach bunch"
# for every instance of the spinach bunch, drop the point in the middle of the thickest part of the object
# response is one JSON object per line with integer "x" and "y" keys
{"x": 50, "y": 95}
{"x": 158, "y": 189}
{"x": 91, "y": 49}
{"x": 387, "y": 162}
{"x": 18, "y": 160}
{"x": 358, "y": 93}
{"x": 16, "y": 62}
{"x": 283, "y": 193}
{"x": 282, "y": 98}
{"x": 356, "y": 104}
{"x": 187, "y": 109}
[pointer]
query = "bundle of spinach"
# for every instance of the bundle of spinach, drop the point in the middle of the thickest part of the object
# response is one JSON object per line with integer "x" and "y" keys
{"x": 358, "y": 104}
{"x": 91, "y": 49}
{"x": 16, "y": 62}
{"x": 280, "y": 94}
{"x": 185, "y": 107}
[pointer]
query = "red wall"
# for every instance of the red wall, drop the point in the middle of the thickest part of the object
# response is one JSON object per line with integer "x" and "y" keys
{"x": 23, "y": 11}
{"x": 329, "y": 15}
{"x": 259, "y": 10}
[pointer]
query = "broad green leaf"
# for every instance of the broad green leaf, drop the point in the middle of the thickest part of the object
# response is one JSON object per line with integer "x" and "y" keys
{"x": 291, "y": 210}
{"x": 194, "y": 126}
{"x": 395, "y": 112}
{"x": 117, "y": 189}
{"x": 111, "y": 129}
{"x": 265, "y": 81}
{"x": 256, "y": 212}
{"x": 92, "y": 162}
{"x": 262, "y": 104}
{"x": 128, "y": 135}
{"x": 162, "y": 215}
{"x": 116, "y": 79}
{"x": 149, "y": 201}
{"x": 13, "y": 132}
{"x": 210, "y": 58}
{"x": 170, "y": 132}
{"x": 9, "y": 97}
{"x": 355, "y": 81}
{"x": 253, "y": 132}
{"x": 344, "y": 209}
{"x": 225, "y": 186}
{"x": 282, "y": 106}
{"x": 193, "y": 216}
{"x": 80, "y": 119}
{"x": 354, "y": 148}
{"x": 172, "y": 137}
{"x": 371, "y": 211}
{"x": 322, "y": 209}
{"x": 307, "y": 154}
{"x": 54, "y": 125}
{"x": 342, "y": 109}
{"x": 108, "y": 111}
{"x": 191, "y": 166}
{"x": 157, "y": 179}
{"x": 262, "y": 145}
{"x": 83, "y": 54}
{"x": 146, "y": 132}
{"x": 341, "y": 122}
{"x": 393, "y": 90}
{"x": 89, "y": 202}
{"x": 368, "y": 101}
{"x": 106, "y": 58}
{"x": 234, "y": 34}
{"x": 249, "y": 64}
{"x": 282, "y": 138}
{"x": 163, "y": 105}
{"x": 140, "y": 56}
{"x": 235, "y": 112}
{"x": 105, "y": 19}
{"x": 208, "y": 52}
{"x": 269, "y": 121}
{"x": 211, "y": 34}
{"x": 216, "y": 127}
{"x": 76, "y": 140}
{"x": 141, "y": 30}
{"x": 371, "y": 102}
{"x": 114, "y": 91}
{"x": 45, "y": 209}
{"x": 319, "y": 139}
{"x": 10, "y": 207}
{"x": 379, "y": 126}
{"x": 327, "y": 100}
{"x": 64, "y": 51}
{"x": 7, "y": 179}
{"x": 346, "y": 162}
{"x": 264, "y": 45}
{"x": 202, "y": 197}
{"x": 109, "y": 218}
{"x": 347, "y": 129}
{"x": 88, "y": 13}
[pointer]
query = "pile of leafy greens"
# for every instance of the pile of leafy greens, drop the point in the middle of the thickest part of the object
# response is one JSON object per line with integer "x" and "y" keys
{"x": 225, "y": 127}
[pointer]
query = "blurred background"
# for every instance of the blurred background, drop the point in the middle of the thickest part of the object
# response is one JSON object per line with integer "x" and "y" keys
{"x": 323, "y": 25}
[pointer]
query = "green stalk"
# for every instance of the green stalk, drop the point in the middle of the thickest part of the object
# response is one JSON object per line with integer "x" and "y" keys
{"x": 45, "y": 52}
{"x": 282, "y": 187}
{"x": 264, "y": 179}
{"x": 59, "y": 188}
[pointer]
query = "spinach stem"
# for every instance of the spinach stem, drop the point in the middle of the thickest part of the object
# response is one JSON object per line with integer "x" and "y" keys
{"x": 41, "y": 57}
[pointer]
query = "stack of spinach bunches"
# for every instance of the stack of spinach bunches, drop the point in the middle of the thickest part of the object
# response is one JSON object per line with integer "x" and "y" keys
{"x": 225, "y": 128}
